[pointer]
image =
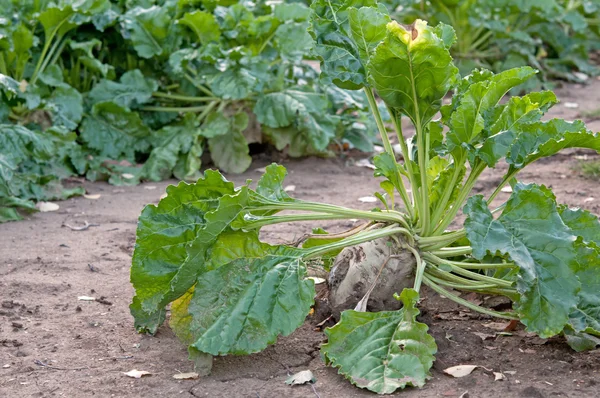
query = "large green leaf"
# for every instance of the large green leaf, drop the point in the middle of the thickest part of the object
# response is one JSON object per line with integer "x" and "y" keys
{"x": 531, "y": 231}
{"x": 412, "y": 70}
{"x": 339, "y": 54}
{"x": 148, "y": 29}
{"x": 586, "y": 317}
{"x": 203, "y": 24}
{"x": 542, "y": 139}
{"x": 293, "y": 41}
{"x": 367, "y": 25}
{"x": 132, "y": 90}
{"x": 230, "y": 152}
{"x": 65, "y": 106}
{"x": 164, "y": 231}
{"x": 382, "y": 351}
{"x": 174, "y": 238}
{"x": 255, "y": 293}
{"x": 114, "y": 131}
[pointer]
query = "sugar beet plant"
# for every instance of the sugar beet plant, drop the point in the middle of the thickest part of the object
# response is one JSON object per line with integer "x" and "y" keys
{"x": 230, "y": 293}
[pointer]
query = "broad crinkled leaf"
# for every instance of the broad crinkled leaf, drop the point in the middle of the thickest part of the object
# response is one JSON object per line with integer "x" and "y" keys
{"x": 203, "y": 24}
{"x": 148, "y": 29}
{"x": 367, "y": 25}
{"x": 293, "y": 41}
{"x": 255, "y": 293}
{"x": 531, "y": 231}
{"x": 234, "y": 83}
{"x": 65, "y": 106}
{"x": 586, "y": 317}
{"x": 382, "y": 351}
{"x": 340, "y": 59}
{"x": 174, "y": 238}
{"x": 163, "y": 233}
{"x": 114, "y": 131}
{"x": 230, "y": 152}
{"x": 132, "y": 90}
{"x": 542, "y": 139}
{"x": 412, "y": 70}
{"x": 307, "y": 112}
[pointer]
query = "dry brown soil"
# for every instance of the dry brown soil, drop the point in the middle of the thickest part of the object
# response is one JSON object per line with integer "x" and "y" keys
{"x": 52, "y": 344}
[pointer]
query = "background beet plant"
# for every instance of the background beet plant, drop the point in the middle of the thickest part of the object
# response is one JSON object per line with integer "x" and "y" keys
{"x": 230, "y": 293}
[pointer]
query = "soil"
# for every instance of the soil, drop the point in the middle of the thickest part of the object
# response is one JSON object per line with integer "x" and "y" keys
{"x": 53, "y": 344}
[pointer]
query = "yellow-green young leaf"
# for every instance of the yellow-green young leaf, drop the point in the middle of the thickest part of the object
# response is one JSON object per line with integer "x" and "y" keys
{"x": 412, "y": 70}
{"x": 382, "y": 351}
{"x": 255, "y": 293}
{"x": 203, "y": 24}
{"x": 443, "y": 182}
{"x": 531, "y": 231}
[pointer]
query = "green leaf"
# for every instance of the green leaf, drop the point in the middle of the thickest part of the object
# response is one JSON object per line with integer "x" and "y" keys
{"x": 164, "y": 231}
{"x": 293, "y": 41}
{"x": 173, "y": 144}
{"x": 582, "y": 223}
{"x": 531, "y": 231}
{"x": 518, "y": 111}
{"x": 230, "y": 152}
{"x": 132, "y": 90}
{"x": 291, "y": 12}
{"x": 542, "y": 139}
{"x": 148, "y": 29}
{"x": 412, "y": 70}
{"x": 368, "y": 28}
{"x": 468, "y": 120}
{"x": 382, "y": 351}
{"x": 586, "y": 317}
{"x": 255, "y": 293}
{"x": 114, "y": 131}
{"x": 203, "y": 24}
{"x": 340, "y": 59}
{"x": 234, "y": 83}
{"x": 443, "y": 182}
{"x": 175, "y": 239}
{"x": 65, "y": 106}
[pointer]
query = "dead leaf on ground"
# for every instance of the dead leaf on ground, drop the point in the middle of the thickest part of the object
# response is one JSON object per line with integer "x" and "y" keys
{"x": 46, "y": 206}
{"x": 495, "y": 325}
{"x": 136, "y": 374}
{"x": 92, "y": 196}
{"x": 460, "y": 370}
{"x": 499, "y": 376}
{"x": 127, "y": 176}
{"x": 306, "y": 376}
{"x": 86, "y": 298}
{"x": 484, "y": 336}
{"x": 186, "y": 376}
{"x": 290, "y": 188}
{"x": 365, "y": 163}
{"x": 367, "y": 199}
